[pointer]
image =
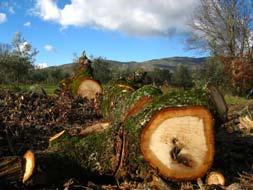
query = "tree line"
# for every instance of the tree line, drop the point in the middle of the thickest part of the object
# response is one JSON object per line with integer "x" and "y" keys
{"x": 17, "y": 64}
{"x": 222, "y": 28}
{"x": 182, "y": 76}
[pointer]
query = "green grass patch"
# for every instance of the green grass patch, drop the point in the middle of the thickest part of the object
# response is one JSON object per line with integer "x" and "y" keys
{"x": 236, "y": 100}
{"x": 49, "y": 88}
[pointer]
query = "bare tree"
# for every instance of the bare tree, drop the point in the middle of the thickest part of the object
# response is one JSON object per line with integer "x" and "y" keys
{"x": 224, "y": 27}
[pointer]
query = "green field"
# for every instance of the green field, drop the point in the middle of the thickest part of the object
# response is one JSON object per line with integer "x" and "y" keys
{"x": 236, "y": 100}
{"x": 49, "y": 88}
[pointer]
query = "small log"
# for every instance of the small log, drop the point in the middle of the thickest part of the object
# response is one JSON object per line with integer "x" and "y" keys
{"x": 215, "y": 178}
{"x": 82, "y": 83}
{"x": 29, "y": 165}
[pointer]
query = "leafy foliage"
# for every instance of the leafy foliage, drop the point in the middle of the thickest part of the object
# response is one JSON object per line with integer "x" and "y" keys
{"x": 182, "y": 77}
{"x": 16, "y": 60}
{"x": 102, "y": 70}
{"x": 213, "y": 72}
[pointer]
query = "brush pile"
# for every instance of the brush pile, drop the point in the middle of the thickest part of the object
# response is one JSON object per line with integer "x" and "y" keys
{"x": 28, "y": 119}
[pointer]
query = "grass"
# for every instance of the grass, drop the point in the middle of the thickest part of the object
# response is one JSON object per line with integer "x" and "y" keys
{"x": 236, "y": 100}
{"x": 49, "y": 88}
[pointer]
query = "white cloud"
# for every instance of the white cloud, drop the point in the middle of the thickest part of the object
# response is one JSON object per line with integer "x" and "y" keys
{"x": 142, "y": 17}
{"x": 28, "y": 24}
{"x": 49, "y": 48}
{"x": 3, "y": 18}
{"x": 41, "y": 65}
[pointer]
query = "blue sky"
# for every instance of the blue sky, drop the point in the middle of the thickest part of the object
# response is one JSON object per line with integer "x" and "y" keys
{"x": 124, "y": 30}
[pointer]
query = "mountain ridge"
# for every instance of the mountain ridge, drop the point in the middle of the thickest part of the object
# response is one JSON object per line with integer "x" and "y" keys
{"x": 149, "y": 65}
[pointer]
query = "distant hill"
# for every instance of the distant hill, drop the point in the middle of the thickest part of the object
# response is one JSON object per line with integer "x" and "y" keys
{"x": 164, "y": 63}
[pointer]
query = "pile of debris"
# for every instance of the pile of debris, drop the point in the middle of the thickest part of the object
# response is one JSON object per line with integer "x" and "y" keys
{"x": 28, "y": 119}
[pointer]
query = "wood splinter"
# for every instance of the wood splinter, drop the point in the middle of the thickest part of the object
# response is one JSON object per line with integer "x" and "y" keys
{"x": 16, "y": 168}
{"x": 29, "y": 165}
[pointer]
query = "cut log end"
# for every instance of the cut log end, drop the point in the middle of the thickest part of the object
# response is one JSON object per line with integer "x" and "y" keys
{"x": 179, "y": 143}
{"x": 29, "y": 165}
{"x": 89, "y": 88}
{"x": 215, "y": 178}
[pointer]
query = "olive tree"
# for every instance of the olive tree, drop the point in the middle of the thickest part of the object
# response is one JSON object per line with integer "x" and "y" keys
{"x": 16, "y": 60}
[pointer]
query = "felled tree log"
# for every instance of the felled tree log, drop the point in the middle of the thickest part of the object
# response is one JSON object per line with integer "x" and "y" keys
{"x": 82, "y": 83}
{"x": 182, "y": 116}
{"x": 171, "y": 136}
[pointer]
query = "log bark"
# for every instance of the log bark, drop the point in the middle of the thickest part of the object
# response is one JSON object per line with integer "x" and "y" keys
{"x": 120, "y": 101}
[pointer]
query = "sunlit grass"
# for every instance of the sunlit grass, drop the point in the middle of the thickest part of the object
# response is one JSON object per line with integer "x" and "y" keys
{"x": 235, "y": 100}
{"x": 49, "y": 88}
